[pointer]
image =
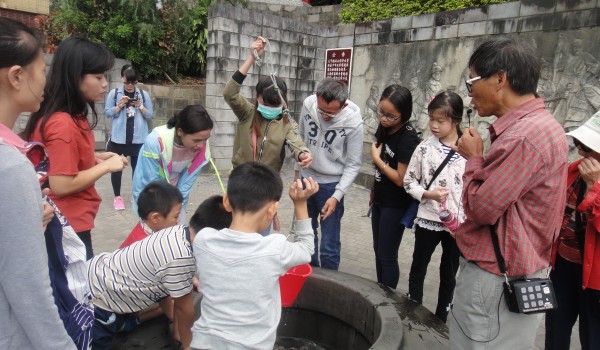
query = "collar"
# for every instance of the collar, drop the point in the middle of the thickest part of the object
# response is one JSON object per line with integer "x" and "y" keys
{"x": 146, "y": 228}
{"x": 502, "y": 123}
{"x": 8, "y": 137}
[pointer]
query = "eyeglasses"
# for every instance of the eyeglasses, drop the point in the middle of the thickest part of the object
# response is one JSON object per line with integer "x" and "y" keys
{"x": 387, "y": 116}
{"x": 581, "y": 146}
{"x": 469, "y": 83}
{"x": 328, "y": 114}
{"x": 131, "y": 82}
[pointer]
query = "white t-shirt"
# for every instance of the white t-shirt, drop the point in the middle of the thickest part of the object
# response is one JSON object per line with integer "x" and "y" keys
{"x": 239, "y": 278}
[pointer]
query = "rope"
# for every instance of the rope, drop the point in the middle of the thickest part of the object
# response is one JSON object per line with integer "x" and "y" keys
{"x": 259, "y": 61}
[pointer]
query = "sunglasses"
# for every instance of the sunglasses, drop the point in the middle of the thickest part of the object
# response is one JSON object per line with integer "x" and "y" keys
{"x": 131, "y": 82}
{"x": 387, "y": 116}
{"x": 469, "y": 83}
{"x": 581, "y": 146}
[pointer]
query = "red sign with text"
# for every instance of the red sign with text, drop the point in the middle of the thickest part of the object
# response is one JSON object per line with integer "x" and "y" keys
{"x": 338, "y": 64}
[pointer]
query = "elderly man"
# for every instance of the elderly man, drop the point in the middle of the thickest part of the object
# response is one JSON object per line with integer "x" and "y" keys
{"x": 332, "y": 128}
{"x": 516, "y": 192}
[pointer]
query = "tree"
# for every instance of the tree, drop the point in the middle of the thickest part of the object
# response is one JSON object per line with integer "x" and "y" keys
{"x": 163, "y": 39}
{"x": 372, "y": 10}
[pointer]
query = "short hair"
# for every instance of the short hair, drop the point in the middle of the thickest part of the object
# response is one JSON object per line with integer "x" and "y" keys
{"x": 211, "y": 213}
{"x": 517, "y": 59}
{"x": 331, "y": 89}
{"x": 253, "y": 185}
{"x": 130, "y": 73}
{"x": 158, "y": 196}
{"x": 191, "y": 119}
{"x": 266, "y": 89}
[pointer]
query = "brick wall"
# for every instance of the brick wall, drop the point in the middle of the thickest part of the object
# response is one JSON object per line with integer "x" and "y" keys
{"x": 21, "y": 16}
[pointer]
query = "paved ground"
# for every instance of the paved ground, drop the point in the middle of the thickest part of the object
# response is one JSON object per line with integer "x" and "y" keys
{"x": 357, "y": 253}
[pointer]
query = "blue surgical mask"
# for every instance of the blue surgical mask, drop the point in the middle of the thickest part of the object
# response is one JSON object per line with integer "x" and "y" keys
{"x": 269, "y": 113}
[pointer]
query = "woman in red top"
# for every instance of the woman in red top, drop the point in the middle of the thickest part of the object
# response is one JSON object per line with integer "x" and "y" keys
{"x": 576, "y": 255}
{"x": 76, "y": 81}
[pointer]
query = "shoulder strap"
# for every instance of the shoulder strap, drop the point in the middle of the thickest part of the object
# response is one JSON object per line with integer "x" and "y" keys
{"x": 499, "y": 256}
{"x": 579, "y": 229}
{"x": 116, "y": 89}
{"x": 440, "y": 168}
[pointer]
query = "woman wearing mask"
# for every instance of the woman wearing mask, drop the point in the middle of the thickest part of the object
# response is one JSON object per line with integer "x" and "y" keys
{"x": 175, "y": 153}
{"x": 263, "y": 129}
{"x": 76, "y": 81}
{"x": 130, "y": 108}
{"x": 24, "y": 276}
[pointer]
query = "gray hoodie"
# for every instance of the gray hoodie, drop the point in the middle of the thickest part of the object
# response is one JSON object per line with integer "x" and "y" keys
{"x": 336, "y": 146}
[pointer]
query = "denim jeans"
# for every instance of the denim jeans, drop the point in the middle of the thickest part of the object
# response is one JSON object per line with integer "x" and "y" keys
{"x": 329, "y": 249}
{"x": 106, "y": 326}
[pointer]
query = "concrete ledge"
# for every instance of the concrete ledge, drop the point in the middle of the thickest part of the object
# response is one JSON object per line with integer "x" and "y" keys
{"x": 387, "y": 320}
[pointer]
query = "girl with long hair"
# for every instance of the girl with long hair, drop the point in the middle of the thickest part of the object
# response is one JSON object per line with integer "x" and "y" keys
{"x": 76, "y": 80}
{"x": 396, "y": 139}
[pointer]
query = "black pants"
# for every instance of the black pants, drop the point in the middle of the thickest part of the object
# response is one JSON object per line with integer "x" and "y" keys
{"x": 425, "y": 243}
{"x": 387, "y": 235}
{"x": 573, "y": 302}
{"x": 86, "y": 238}
{"x": 130, "y": 150}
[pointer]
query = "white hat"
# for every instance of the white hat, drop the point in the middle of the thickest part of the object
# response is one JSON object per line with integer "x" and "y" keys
{"x": 589, "y": 133}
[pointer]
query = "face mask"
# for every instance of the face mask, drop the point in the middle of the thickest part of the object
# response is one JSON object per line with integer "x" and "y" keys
{"x": 269, "y": 113}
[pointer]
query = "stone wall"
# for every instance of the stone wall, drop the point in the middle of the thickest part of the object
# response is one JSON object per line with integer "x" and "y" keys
{"x": 166, "y": 100}
{"x": 427, "y": 53}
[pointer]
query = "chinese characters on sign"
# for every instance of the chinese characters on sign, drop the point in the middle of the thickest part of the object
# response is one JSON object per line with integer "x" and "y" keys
{"x": 338, "y": 64}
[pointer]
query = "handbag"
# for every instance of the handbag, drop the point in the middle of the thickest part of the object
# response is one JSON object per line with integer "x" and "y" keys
{"x": 409, "y": 216}
{"x": 525, "y": 295}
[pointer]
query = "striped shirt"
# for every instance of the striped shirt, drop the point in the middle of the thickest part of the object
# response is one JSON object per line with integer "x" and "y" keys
{"x": 520, "y": 187}
{"x": 447, "y": 150}
{"x": 131, "y": 279}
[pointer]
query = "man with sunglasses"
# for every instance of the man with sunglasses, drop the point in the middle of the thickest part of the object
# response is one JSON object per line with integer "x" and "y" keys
{"x": 331, "y": 126}
{"x": 576, "y": 255}
{"x": 517, "y": 191}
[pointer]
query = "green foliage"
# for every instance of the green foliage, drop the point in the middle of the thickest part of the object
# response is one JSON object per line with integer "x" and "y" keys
{"x": 163, "y": 42}
{"x": 372, "y": 10}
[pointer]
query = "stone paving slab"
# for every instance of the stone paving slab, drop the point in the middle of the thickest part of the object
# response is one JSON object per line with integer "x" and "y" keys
{"x": 357, "y": 255}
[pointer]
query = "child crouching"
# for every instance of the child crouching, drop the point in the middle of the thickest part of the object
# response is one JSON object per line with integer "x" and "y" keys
{"x": 151, "y": 270}
{"x": 239, "y": 270}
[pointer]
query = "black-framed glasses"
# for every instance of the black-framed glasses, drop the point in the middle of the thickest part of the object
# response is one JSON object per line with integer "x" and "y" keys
{"x": 387, "y": 116}
{"x": 131, "y": 82}
{"x": 469, "y": 82}
{"x": 581, "y": 146}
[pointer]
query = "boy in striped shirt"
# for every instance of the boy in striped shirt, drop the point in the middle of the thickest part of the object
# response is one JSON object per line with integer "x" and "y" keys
{"x": 146, "y": 272}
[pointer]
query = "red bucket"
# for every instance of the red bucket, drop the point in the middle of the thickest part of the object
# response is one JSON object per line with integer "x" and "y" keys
{"x": 291, "y": 283}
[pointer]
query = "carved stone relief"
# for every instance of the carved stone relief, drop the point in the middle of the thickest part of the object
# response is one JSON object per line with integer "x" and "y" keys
{"x": 569, "y": 76}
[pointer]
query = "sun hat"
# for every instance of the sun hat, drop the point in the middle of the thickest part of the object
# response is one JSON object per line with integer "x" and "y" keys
{"x": 589, "y": 133}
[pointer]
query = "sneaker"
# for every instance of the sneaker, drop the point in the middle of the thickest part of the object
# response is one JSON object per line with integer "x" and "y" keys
{"x": 118, "y": 203}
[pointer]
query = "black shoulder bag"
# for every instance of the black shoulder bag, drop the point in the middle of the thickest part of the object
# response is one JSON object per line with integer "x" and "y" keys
{"x": 408, "y": 219}
{"x": 524, "y": 295}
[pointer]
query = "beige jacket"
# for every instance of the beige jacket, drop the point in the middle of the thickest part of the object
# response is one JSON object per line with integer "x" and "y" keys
{"x": 276, "y": 133}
